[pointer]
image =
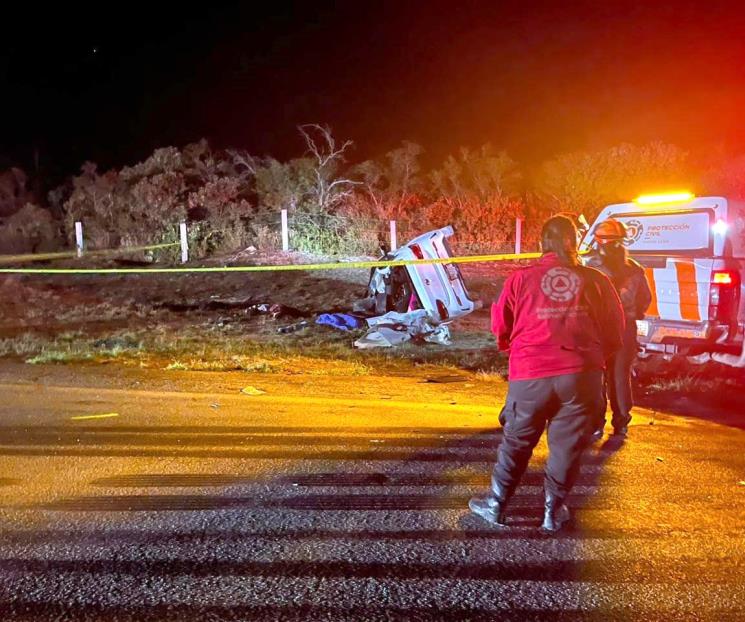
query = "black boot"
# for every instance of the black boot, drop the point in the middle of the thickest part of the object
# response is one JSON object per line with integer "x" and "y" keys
{"x": 621, "y": 425}
{"x": 556, "y": 513}
{"x": 491, "y": 508}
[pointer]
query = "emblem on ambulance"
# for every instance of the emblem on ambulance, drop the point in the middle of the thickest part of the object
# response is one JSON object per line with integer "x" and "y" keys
{"x": 560, "y": 284}
{"x": 634, "y": 230}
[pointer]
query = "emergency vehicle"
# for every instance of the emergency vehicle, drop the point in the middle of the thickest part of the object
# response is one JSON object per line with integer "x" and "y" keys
{"x": 693, "y": 253}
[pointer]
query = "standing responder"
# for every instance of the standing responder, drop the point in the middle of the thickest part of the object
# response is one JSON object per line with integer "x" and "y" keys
{"x": 628, "y": 278}
{"x": 560, "y": 322}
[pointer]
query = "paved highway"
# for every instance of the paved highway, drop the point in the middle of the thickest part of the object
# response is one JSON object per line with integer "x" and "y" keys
{"x": 129, "y": 494}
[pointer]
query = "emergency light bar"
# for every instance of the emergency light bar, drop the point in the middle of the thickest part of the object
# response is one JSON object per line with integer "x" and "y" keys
{"x": 670, "y": 197}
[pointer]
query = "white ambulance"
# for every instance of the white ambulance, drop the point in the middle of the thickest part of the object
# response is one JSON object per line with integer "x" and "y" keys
{"x": 693, "y": 253}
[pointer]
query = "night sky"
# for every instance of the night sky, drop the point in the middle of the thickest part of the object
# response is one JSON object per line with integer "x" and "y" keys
{"x": 112, "y": 81}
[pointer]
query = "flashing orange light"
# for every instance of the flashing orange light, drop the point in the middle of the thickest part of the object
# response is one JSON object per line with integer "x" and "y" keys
{"x": 668, "y": 197}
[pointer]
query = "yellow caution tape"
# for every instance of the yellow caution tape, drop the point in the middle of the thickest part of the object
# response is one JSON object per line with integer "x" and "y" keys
{"x": 69, "y": 254}
{"x": 282, "y": 268}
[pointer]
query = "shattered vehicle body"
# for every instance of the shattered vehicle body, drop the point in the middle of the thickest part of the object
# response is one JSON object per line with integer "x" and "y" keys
{"x": 438, "y": 288}
{"x": 415, "y": 299}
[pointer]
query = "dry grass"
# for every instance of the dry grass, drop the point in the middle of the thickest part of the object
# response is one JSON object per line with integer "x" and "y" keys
{"x": 694, "y": 383}
{"x": 314, "y": 351}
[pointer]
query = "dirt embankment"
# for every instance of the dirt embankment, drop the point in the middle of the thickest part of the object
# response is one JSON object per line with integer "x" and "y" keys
{"x": 203, "y": 317}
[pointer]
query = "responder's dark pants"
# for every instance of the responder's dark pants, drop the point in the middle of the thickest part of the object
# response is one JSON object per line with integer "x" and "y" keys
{"x": 618, "y": 380}
{"x": 566, "y": 406}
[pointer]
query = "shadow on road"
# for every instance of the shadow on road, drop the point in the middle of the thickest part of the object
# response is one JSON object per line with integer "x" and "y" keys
{"x": 415, "y": 471}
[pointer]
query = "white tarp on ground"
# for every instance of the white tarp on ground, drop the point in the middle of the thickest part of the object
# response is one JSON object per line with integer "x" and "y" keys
{"x": 395, "y": 328}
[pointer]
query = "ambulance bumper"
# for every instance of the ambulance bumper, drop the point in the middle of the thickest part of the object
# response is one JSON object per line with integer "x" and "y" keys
{"x": 690, "y": 338}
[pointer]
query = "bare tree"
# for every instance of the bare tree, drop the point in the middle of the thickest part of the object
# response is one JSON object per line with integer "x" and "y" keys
{"x": 328, "y": 190}
{"x": 245, "y": 164}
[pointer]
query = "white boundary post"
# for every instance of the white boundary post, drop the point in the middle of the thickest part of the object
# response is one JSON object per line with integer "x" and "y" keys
{"x": 184, "y": 243}
{"x": 518, "y": 235}
{"x": 79, "y": 238}
{"x": 394, "y": 240}
{"x": 285, "y": 232}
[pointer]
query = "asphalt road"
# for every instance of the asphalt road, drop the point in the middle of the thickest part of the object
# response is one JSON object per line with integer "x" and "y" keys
{"x": 127, "y": 494}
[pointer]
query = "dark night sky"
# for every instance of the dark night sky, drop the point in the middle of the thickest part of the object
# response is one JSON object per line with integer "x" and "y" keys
{"x": 534, "y": 77}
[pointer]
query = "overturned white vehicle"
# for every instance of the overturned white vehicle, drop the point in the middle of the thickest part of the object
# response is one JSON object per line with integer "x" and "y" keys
{"x": 416, "y": 299}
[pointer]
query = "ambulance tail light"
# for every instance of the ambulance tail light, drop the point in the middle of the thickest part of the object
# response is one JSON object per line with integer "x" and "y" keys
{"x": 417, "y": 250}
{"x": 724, "y": 295}
{"x": 720, "y": 227}
{"x": 722, "y": 278}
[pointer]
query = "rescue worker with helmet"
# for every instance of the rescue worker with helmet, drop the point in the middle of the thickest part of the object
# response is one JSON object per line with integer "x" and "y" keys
{"x": 628, "y": 278}
{"x": 560, "y": 322}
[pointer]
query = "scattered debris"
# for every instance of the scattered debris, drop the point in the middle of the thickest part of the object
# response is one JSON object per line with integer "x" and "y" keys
{"x": 342, "y": 321}
{"x": 293, "y": 327}
{"x": 383, "y": 337}
{"x": 252, "y": 391}
{"x": 395, "y": 328}
{"x": 446, "y": 379}
{"x": 659, "y": 459}
{"x": 742, "y": 483}
{"x": 258, "y": 308}
{"x": 283, "y": 311}
{"x": 275, "y": 311}
{"x": 215, "y": 405}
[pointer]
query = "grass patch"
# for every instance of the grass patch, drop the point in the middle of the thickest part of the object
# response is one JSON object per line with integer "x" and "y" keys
{"x": 68, "y": 347}
{"x": 692, "y": 383}
{"x": 290, "y": 365}
{"x": 57, "y": 356}
{"x": 315, "y": 351}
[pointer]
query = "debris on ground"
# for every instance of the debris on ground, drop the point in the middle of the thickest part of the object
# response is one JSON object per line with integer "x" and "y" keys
{"x": 395, "y": 328}
{"x": 446, "y": 379}
{"x": 276, "y": 311}
{"x": 341, "y": 321}
{"x": 293, "y": 327}
{"x": 252, "y": 391}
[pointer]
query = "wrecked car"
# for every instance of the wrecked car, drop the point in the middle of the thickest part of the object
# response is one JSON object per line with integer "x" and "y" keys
{"x": 437, "y": 288}
{"x": 414, "y": 300}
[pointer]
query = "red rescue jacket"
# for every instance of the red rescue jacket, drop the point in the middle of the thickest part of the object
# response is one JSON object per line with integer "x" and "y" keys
{"x": 555, "y": 319}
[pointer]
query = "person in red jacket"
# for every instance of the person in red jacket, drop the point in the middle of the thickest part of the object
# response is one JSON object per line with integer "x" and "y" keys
{"x": 560, "y": 323}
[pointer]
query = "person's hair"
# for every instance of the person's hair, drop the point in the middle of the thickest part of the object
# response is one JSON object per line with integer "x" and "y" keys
{"x": 559, "y": 235}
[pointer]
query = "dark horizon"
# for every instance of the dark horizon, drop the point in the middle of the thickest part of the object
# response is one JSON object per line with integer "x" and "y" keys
{"x": 536, "y": 80}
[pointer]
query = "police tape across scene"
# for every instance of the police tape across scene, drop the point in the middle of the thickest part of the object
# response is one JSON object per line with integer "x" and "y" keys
{"x": 6, "y": 259}
{"x": 281, "y": 268}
